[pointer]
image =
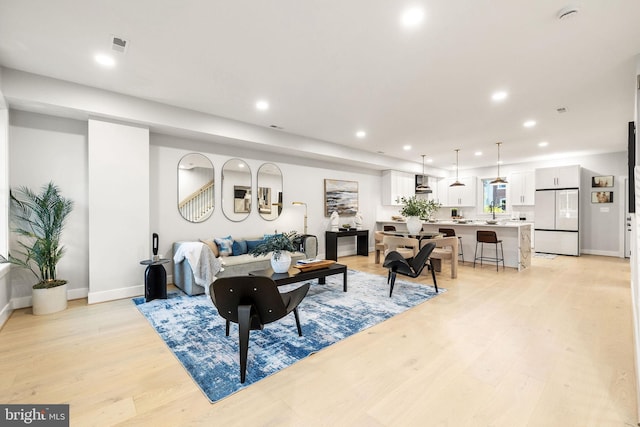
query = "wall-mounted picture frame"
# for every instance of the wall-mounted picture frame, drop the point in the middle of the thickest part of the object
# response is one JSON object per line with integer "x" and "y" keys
{"x": 340, "y": 196}
{"x": 602, "y": 197}
{"x": 602, "y": 181}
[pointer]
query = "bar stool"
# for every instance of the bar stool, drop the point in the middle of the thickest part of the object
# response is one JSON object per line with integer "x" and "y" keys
{"x": 483, "y": 237}
{"x": 449, "y": 232}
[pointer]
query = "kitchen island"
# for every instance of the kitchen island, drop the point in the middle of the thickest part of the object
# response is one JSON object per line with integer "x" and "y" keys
{"x": 515, "y": 236}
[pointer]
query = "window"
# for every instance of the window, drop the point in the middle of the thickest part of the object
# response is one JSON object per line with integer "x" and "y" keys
{"x": 494, "y": 195}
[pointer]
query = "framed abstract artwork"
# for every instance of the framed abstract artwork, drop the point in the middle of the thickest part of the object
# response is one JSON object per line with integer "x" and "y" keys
{"x": 602, "y": 197}
{"x": 340, "y": 196}
{"x": 602, "y": 181}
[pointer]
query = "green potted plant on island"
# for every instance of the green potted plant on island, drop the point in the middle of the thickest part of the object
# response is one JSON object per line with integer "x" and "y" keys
{"x": 39, "y": 219}
{"x": 279, "y": 245}
{"x": 431, "y": 208}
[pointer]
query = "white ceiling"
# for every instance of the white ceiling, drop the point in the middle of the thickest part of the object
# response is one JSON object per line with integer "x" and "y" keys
{"x": 329, "y": 68}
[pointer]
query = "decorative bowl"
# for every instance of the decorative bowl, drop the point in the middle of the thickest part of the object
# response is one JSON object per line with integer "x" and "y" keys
{"x": 492, "y": 221}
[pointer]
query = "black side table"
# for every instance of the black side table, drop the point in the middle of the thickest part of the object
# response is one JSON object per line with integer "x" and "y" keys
{"x": 155, "y": 279}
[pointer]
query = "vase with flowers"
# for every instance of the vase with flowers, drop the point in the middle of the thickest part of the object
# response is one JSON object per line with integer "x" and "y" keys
{"x": 416, "y": 210}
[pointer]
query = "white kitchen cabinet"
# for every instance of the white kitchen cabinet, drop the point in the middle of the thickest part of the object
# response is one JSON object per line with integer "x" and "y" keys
{"x": 522, "y": 188}
{"x": 558, "y": 177}
{"x": 396, "y": 184}
{"x": 442, "y": 190}
{"x": 463, "y": 195}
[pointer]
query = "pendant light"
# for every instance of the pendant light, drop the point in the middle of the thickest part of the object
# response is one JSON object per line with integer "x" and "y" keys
{"x": 499, "y": 179}
{"x": 457, "y": 183}
{"x": 424, "y": 186}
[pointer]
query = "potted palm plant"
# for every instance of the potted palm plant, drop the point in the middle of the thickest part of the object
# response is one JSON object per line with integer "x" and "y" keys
{"x": 39, "y": 219}
{"x": 279, "y": 245}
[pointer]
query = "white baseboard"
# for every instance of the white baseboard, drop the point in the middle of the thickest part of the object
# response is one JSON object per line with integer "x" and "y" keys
{"x": 5, "y": 313}
{"x": 114, "y": 294}
{"x": 21, "y": 302}
{"x": 24, "y": 302}
{"x": 601, "y": 253}
{"x": 77, "y": 293}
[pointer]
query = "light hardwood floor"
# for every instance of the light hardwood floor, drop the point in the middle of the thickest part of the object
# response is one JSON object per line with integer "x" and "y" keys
{"x": 549, "y": 346}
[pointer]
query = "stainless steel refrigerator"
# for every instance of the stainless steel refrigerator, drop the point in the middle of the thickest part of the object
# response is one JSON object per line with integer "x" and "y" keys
{"x": 557, "y": 221}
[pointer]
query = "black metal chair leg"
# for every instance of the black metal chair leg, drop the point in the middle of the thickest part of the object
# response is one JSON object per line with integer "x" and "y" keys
{"x": 393, "y": 282}
{"x": 227, "y": 327}
{"x": 433, "y": 274}
{"x": 502, "y": 252}
{"x": 497, "y": 259}
{"x": 295, "y": 313}
{"x": 244, "y": 326}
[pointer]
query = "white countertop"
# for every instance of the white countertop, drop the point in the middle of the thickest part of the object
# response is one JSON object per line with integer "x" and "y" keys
{"x": 504, "y": 223}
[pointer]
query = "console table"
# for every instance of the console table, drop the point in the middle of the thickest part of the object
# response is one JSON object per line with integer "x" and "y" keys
{"x": 331, "y": 242}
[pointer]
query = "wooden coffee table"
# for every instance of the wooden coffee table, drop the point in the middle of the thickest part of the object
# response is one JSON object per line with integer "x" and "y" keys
{"x": 294, "y": 275}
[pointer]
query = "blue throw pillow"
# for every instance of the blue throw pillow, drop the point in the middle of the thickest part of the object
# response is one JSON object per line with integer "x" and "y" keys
{"x": 239, "y": 247}
{"x": 251, "y": 244}
{"x": 225, "y": 245}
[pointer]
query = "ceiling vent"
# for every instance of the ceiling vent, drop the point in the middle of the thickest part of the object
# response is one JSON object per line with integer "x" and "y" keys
{"x": 561, "y": 110}
{"x": 119, "y": 44}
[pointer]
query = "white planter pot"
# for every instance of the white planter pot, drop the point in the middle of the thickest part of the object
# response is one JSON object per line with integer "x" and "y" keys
{"x": 414, "y": 225}
{"x": 47, "y": 301}
{"x": 282, "y": 264}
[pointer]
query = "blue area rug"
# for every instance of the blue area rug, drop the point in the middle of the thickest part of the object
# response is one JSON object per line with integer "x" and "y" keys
{"x": 195, "y": 332}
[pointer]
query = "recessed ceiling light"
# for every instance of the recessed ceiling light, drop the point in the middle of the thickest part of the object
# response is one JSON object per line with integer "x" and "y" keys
{"x": 105, "y": 60}
{"x": 429, "y": 160}
{"x": 262, "y": 105}
{"x": 499, "y": 96}
{"x": 412, "y": 17}
{"x": 478, "y": 153}
{"x": 529, "y": 123}
{"x": 361, "y": 134}
{"x": 406, "y": 147}
{"x": 543, "y": 144}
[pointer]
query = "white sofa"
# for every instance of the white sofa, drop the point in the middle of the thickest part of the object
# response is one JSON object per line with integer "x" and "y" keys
{"x": 239, "y": 265}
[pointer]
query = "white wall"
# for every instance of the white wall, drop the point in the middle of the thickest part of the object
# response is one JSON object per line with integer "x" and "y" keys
{"x": 301, "y": 182}
{"x": 5, "y": 289}
{"x": 42, "y": 149}
{"x": 119, "y": 236}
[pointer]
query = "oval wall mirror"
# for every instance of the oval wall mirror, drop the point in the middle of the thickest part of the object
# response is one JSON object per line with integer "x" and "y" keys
{"x": 269, "y": 184}
{"x": 195, "y": 187}
{"x": 236, "y": 190}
